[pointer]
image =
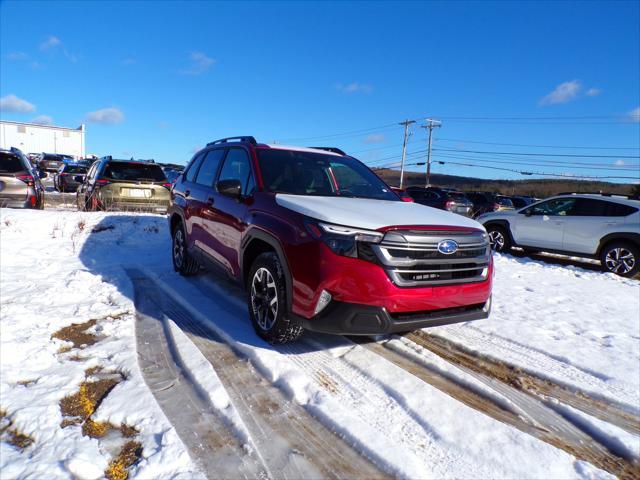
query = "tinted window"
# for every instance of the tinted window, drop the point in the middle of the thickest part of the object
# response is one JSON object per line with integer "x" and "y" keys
{"x": 237, "y": 167}
{"x": 505, "y": 202}
{"x": 190, "y": 176}
{"x": 134, "y": 172}
{"x": 10, "y": 164}
{"x": 310, "y": 173}
{"x": 587, "y": 207}
{"x": 74, "y": 169}
{"x": 619, "y": 210}
{"x": 557, "y": 206}
{"x": 209, "y": 168}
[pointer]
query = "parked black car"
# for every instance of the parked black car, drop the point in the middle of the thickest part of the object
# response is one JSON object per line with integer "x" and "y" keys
{"x": 69, "y": 177}
{"x": 442, "y": 198}
{"x": 519, "y": 201}
{"x": 484, "y": 202}
{"x": 51, "y": 162}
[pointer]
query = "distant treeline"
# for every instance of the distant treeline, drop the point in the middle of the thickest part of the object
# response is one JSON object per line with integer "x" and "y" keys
{"x": 539, "y": 188}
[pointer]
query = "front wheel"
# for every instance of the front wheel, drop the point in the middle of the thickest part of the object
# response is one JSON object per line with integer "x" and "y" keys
{"x": 267, "y": 301}
{"x": 183, "y": 262}
{"x": 621, "y": 258}
{"x": 500, "y": 241}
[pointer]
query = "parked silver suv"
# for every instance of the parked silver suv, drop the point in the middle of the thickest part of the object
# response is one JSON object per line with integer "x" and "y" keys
{"x": 601, "y": 226}
{"x": 20, "y": 185}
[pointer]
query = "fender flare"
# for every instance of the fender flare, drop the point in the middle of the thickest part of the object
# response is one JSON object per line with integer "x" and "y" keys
{"x": 255, "y": 233}
{"x": 618, "y": 236}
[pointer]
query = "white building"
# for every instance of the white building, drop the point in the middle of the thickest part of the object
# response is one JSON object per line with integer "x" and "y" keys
{"x": 34, "y": 138}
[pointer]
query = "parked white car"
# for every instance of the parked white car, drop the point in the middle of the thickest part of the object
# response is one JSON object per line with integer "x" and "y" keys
{"x": 606, "y": 227}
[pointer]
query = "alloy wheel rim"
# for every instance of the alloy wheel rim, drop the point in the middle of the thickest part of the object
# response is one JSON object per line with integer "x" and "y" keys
{"x": 620, "y": 260}
{"x": 497, "y": 240}
{"x": 178, "y": 248}
{"x": 264, "y": 298}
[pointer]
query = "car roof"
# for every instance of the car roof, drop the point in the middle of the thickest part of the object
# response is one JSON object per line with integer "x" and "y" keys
{"x": 609, "y": 198}
{"x": 277, "y": 146}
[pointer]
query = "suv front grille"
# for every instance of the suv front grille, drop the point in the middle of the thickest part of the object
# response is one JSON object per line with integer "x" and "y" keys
{"x": 412, "y": 258}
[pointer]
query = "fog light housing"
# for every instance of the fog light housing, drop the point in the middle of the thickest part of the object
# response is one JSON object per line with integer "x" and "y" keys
{"x": 323, "y": 301}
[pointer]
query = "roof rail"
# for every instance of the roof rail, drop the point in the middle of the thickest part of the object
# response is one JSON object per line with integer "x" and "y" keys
{"x": 244, "y": 139}
{"x": 330, "y": 149}
{"x": 603, "y": 194}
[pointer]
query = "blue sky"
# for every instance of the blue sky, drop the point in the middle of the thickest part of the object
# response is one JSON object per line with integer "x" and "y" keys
{"x": 159, "y": 79}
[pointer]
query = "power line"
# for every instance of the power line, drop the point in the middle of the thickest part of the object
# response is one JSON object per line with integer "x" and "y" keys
{"x": 523, "y": 172}
{"x": 549, "y": 164}
{"x": 536, "y": 146}
{"x": 536, "y": 154}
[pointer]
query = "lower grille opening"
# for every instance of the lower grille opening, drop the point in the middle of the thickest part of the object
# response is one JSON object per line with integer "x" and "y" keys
{"x": 406, "y": 317}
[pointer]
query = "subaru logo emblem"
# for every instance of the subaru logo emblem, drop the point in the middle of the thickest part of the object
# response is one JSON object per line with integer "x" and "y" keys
{"x": 447, "y": 247}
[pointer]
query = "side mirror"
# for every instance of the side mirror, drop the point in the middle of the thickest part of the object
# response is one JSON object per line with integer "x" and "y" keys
{"x": 528, "y": 212}
{"x": 229, "y": 188}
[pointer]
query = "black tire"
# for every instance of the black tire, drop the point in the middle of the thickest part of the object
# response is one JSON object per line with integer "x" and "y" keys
{"x": 183, "y": 262}
{"x": 621, "y": 258}
{"x": 499, "y": 238}
{"x": 266, "y": 284}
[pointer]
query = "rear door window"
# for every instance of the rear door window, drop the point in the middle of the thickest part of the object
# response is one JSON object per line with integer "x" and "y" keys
{"x": 587, "y": 207}
{"x": 192, "y": 170}
{"x": 140, "y": 172}
{"x": 209, "y": 168}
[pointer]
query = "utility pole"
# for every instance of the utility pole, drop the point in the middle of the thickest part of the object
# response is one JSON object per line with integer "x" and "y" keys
{"x": 430, "y": 125}
{"x": 406, "y": 124}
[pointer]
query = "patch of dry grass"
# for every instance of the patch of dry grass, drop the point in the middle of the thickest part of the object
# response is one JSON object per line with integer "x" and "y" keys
{"x": 11, "y": 435}
{"x": 76, "y": 334}
{"x": 129, "y": 455}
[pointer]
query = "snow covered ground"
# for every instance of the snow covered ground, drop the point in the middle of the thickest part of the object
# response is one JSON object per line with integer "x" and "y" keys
{"x": 578, "y": 329}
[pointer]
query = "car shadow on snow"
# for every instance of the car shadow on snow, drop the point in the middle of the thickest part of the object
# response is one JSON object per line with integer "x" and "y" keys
{"x": 123, "y": 243}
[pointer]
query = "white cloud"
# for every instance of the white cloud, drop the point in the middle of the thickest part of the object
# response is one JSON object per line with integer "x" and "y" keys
{"x": 619, "y": 163}
{"x": 11, "y": 103}
{"x": 563, "y": 93}
{"x": 43, "y": 120}
{"x": 199, "y": 63}
{"x": 17, "y": 56}
{"x": 354, "y": 87}
{"x": 635, "y": 114}
{"x": 50, "y": 43}
{"x": 106, "y": 116}
{"x": 593, "y": 92}
{"x": 375, "y": 138}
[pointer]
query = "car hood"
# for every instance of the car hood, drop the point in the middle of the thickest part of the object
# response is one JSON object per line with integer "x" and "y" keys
{"x": 371, "y": 214}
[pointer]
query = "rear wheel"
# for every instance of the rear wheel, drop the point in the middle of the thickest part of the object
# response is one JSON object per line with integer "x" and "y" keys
{"x": 499, "y": 238}
{"x": 267, "y": 299}
{"x": 183, "y": 262}
{"x": 621, "y": 258}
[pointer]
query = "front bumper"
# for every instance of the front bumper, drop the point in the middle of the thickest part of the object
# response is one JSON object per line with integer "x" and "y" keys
{"x": 343, "y": 318}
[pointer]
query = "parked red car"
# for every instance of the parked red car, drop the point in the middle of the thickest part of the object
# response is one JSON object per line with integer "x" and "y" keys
{"x": 321, "y": 243}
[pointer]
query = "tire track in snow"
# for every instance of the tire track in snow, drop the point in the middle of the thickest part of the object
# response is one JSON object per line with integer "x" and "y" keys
{"x": 291, "y": 443}
{"x": 540, "y": 420}
{"x": 608, "y": 411}
{"x": 209, "y": 440}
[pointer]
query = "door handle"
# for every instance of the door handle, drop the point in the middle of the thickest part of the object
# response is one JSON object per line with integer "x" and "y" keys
{"x": 210, "y": 202}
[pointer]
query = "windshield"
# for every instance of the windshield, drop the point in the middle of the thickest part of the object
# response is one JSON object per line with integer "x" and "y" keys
{"x": 139, "y": 172}
{"x": 10, "y": 164}
{"x": 310, "y": 173}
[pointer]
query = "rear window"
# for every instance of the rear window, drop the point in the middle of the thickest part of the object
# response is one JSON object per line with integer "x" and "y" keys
{"x": 10, "y": 164}
{"x": 75, "y": 169}
{"x": 505, "y": 202}
{"x": 55, "y": 158}
{"x": 134, "y": 172}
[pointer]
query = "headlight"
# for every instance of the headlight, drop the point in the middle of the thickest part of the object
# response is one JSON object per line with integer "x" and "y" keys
{"x": 340, "y": 239}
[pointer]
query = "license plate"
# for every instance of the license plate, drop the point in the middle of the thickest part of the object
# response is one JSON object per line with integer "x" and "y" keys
{"x": 138, "y": 192}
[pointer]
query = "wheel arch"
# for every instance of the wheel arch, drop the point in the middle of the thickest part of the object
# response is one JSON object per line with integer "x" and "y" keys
{"x": 501, "y": 223}
{"x": 631, "y": 237}
{"x": 256, "y": 242}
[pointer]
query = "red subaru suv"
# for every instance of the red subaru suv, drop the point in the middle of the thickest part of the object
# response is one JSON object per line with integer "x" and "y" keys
{"x": 321, "y": 243}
